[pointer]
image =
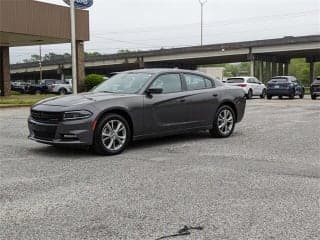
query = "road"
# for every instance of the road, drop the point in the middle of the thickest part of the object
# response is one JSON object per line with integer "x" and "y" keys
{"x": 262, "y": 183}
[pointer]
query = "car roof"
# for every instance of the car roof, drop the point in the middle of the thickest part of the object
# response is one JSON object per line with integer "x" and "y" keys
{"x": 163, "y": 70}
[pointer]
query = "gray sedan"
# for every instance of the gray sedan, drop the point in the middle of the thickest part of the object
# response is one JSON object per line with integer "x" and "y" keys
{"x": 135, "y": 105}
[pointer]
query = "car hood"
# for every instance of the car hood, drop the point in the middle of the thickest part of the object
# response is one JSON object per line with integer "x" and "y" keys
{"x": 83, "y": 98}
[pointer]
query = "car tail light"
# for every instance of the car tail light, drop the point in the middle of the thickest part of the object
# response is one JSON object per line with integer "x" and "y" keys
{"x": 242, "y": 85}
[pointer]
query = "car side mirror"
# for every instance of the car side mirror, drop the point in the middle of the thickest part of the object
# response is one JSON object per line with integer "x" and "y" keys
{"x": 151, "y": 91}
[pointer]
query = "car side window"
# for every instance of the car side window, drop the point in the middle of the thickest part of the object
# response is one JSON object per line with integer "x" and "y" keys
{"x": 209, "y": 83}
{"x": 195, "y": 82}
{"x": 170, "y": 83}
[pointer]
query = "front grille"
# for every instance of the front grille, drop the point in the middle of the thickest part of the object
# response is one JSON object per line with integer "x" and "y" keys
{"x": 46, "y": 117}
{"x": 47, "y": 135}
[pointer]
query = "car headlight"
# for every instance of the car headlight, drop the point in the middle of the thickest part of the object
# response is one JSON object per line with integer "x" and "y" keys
{"x": 76, "y": 115}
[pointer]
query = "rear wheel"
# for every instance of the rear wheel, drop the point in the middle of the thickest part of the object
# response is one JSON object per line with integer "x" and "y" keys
{"x": 292, "y": 95}
{"x": 269, "y": 97}
{"x": 224, "y": 122}
{"x": 301, "y": 96}
{"x": 249, "y": 95}
{"x": 112, "y": 135}
{"x": 280, "y": 97}
{"x": 313, "y": 97}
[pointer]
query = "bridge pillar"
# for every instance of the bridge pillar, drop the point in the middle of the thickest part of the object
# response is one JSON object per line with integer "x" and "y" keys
{"x": 5, "y": 82}
{"x": 80, "y": 65}
{"x": 280, "y": 69}
{"x": 268, "y": 71}
{"x": 274, "y": 68}
{"x": 286, "y": 69}
{"x": 261, "y": 71}
{"x": 312, "y": 72}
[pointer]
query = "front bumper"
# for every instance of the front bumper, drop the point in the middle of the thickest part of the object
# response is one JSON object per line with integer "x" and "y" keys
{"x": 78, "y": 132}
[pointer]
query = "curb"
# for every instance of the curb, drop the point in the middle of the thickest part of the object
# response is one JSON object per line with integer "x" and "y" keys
{"x": 14, "y": 105}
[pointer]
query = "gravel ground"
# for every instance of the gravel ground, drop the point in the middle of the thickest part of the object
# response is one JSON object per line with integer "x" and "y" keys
{"x": 261, "y": 183}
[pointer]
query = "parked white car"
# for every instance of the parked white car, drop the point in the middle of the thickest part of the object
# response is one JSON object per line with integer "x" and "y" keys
{"x": 61, "y": 87}
{"x": 251, "y": 86}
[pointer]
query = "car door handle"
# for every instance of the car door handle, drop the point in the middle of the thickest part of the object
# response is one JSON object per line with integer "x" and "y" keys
{"x": 182, "y": 100}
{"x": 214, "y": 95}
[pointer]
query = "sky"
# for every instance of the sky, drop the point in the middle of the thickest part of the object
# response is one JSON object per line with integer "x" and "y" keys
{"x": 155, "y": 24}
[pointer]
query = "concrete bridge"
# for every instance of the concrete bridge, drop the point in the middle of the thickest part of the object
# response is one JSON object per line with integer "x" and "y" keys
{"x": 268, "y": 58}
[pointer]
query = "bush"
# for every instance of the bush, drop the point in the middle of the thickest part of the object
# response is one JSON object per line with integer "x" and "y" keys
{"x": 93, "y": 80}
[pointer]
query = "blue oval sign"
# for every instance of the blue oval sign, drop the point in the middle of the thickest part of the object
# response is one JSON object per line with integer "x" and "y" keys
{"x": 80, "y": 4}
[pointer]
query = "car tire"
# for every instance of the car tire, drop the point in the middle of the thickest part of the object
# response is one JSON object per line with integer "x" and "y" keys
{"x": 107, "y": 139}
{"x": 224, "y": 116}
{"x": 292, "y": 95}
{"x": 263, "y": 94}
{"x": 313, "y": 97}
{"x": 37, "y": 92}
{"x": 301, "y": 96}
{"x": 249, "y": 94}
{"x": 269, "y": 97}
{"x": 280, "y": 97}
{"x": 62, "y": 91}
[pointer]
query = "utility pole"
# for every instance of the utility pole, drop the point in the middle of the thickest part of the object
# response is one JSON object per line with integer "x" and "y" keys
{"x": 40, "y": 62}
{"x": 73, "y": 47}
{"x": 202, "y": 3}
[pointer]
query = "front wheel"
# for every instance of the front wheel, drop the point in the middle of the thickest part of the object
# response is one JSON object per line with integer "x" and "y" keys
{"x": 224, "y": 122}
{"x": 301, "y": 96}
{"x": 112, "y": 135}
{"x": 62, "y": 91}
{"x": 263, "y": 94}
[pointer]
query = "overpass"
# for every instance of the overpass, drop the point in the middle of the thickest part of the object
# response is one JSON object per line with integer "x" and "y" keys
{"x": 268, "y": 58}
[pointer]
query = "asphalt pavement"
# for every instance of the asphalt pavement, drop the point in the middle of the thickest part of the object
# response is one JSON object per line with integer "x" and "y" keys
{"x": 261, "y": 183}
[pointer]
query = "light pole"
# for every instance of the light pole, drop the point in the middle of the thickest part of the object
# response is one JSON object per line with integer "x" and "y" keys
{"x": 40, "y": 62}
{"x": 202, "y": 3}
{"x": 73, "y": 47}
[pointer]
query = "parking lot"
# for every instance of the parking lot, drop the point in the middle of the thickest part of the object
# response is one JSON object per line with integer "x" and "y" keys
{"x": 261, "y": 183}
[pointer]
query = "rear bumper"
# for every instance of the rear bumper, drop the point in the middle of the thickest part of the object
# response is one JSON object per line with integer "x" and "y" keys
{"x": 64, "y": 133}
{"x": 280, "y": 92}
{"x": 241, "y": 107}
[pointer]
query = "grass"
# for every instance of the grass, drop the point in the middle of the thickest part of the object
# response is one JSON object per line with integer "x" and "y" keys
{"x": 17, "y": 99}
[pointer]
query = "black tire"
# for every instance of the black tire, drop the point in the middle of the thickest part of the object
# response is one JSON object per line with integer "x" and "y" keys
{"x": 269, "y": 97}
{"x": 264, "y": 93}
{"x": 216, "y": 131}
{"x": 250, "y": 94}
{"x": 301, "y": 96}
{"x": 280, "y": 97}
{"x": 292, "y": 95}
{"x": 313, "y": 97}
{"x": 62, "y": 91}
{"x": 99, "y": 146}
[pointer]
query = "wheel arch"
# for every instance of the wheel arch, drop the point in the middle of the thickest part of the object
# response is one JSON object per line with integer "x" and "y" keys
{"x": 231, "y": 105}
{"x": 120, "y": 111}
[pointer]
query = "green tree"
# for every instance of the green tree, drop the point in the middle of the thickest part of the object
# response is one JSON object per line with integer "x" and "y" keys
{"x": 93, "y": 80}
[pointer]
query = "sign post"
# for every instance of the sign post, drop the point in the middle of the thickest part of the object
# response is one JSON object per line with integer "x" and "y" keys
{"x": 73, "y": 48}
{"x": 80, "y": 4}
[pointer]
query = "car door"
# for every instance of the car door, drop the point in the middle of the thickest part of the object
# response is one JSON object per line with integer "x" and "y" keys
{"x": 259, "y": 86}
{"x": 167, "y": 111}
{"x": 253, "y": 85}
{"x": 202, "y": 99}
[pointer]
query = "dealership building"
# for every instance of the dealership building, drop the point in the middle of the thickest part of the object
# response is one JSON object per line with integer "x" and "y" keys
{"x": 30, "y": 22}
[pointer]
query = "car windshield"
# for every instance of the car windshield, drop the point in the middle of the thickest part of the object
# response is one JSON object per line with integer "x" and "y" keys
{"x": 235, "y": 80}
{"x": 126, "y": 83}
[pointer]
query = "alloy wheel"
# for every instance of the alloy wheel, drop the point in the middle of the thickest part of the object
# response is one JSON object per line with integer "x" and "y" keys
{"x": 114, "y": 135}
{"x": 225, "y": 121}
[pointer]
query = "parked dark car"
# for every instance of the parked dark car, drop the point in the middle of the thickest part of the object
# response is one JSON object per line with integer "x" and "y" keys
{"x": 42, "y": 87}
{"x": 284, "y": 86}
{"x": 135, "y": 105}
{"x": 315, "y": 88}
{"x": 19, "y": 87}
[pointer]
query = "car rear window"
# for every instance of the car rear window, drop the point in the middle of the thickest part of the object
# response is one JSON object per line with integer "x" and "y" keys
{"x": 235, "y": 80}
{"x": 279, "y": 80}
